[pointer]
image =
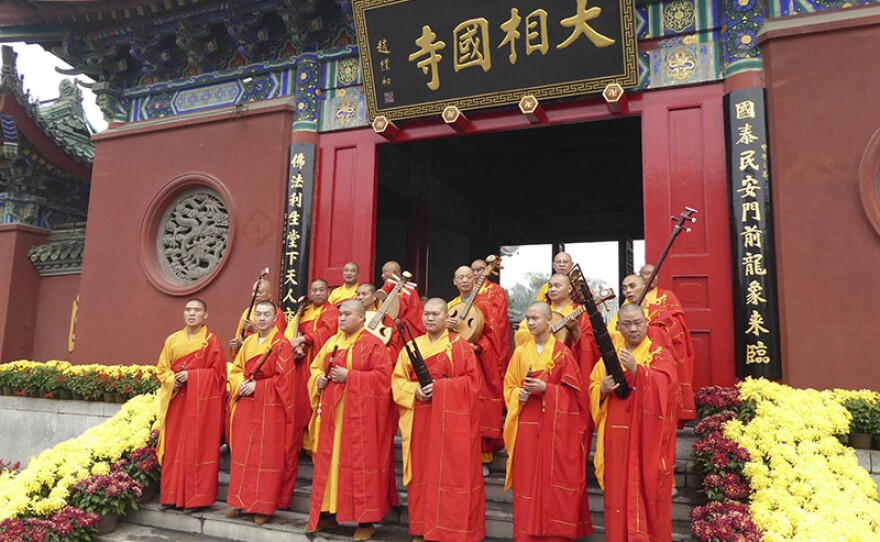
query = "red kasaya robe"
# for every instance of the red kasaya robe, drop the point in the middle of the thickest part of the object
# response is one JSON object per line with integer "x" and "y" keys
{"x": 410, "y": 308}
{"x": 352, "y": 431}
{"x": 265, "y": 438}
{"x": 635, "y": 446}
{"x": 490, "y": 348}
{"x": 446, "y": 497}
{"x": 317, "y": 324}
{"x": 190, "y": 420}
{"x": 547, "y": 441}
{"x": 665, "y": 312}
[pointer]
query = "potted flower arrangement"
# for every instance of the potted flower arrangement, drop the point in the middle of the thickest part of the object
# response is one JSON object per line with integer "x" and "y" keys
{"x": 860, "y": 428}
{"x": 69, "y": 524}
{"x": 85, "y": 385}
{"x": 142, "y": 465}
{"x": 108, "y": 495}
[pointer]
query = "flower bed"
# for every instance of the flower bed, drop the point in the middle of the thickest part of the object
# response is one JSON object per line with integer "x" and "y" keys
{"x": 61, "y": 380}
{"x": 61, "y": 492}
{"x": 777, "y": 453}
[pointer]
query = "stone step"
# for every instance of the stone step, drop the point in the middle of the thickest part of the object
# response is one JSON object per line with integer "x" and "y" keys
{"x": 151, "y": 524}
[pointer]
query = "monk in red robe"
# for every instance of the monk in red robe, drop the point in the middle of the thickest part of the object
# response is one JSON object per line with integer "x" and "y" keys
{"x": 548, "y": 422}
{"x": 635, "y": 445}
{"x": 584, "y": 347}
{"x": 366, "y": 294}
{"x": 490, "y": 348}
{"x": 317, "y": 324}
{"x": 446, "y": 497}
{"x": 409, "y": 301}
{"x": 262, "y": 290}
{"x": 192, "y": 371}
{"x": 665, "y": 310}
{"x": 350, "y": 390}
{"x": 498, "y": 298}
{"x": 265, "y": 437}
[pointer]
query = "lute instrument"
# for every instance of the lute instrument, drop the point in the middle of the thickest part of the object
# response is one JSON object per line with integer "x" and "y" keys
{"x": 469, "y": 319}
{"x": 686, "y": 216}
{"x": 374, "y": 319}
{"x": 570, "y": 336}
{"x": 600, "y": 331}
{"x": 302, "y": 305}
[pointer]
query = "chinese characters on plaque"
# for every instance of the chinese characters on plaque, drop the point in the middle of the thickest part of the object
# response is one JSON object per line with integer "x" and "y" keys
{"x": 297, "y": 224}
{"x": 421, "y": 56}
{"x": 756, "y": 319}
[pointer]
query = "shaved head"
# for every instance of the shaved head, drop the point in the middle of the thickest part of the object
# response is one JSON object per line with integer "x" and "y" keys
{"x": 390, "y": 269}
{"x": 321, "y": 281}
{"x": 645, "y": 273}
{"x": 541, "y": 307}
{"x": 353, "y": 305}
{"x": 562, "y": 263}
{"x": 632, "y": 324}
{"x": 434, "y": 314}
{"x": 632, "y": 287}
{"x": 630, "y": 310}
{"x": 464, "y": 279}
{"x": 435, "y": 303}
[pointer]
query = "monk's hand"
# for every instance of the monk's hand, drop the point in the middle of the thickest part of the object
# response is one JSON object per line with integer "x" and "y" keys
{"x": 628, "y": 361}
{"x": 424, "y": 394}
{"x": 570, "y": 321}
{"x": 608, "y": 385}
{"x": 534, "y": 385}
{"x": 299, "y": 352}
{"x": 181, "y": 378}
{"x": 298, "y": 342}
{"x": 338, "y": 374}
{"x": 322, "y": 382}
{"x": 247, "y": 388}
{"x": 247, "y": 325}
{"x": 235, "y": 344}
{"x": 523, "y": 395}
{"x": 451, "y": 323}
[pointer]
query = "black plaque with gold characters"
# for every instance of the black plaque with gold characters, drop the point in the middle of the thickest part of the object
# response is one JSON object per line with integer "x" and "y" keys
{"x": 297, "y": 226}
{"x": 756, "y": 321}
{"x": 420, "y": 56}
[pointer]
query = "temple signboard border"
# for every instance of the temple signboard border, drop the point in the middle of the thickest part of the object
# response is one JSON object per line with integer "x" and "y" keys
{"x": 579, "y": 46}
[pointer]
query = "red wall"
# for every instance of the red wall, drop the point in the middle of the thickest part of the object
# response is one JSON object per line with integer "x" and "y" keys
{"x": 822, "y": 86}
{"x": 19, "y": 290}
{"x": 53, "y": 317}
{"x": 124, "y": 318}
{"x": 684, "y": 165}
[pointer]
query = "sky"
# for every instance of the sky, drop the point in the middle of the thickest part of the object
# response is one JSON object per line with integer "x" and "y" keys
{"x": 40, "y": 77}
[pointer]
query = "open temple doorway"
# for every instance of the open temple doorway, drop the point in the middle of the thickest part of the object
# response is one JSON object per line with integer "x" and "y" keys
{"x": 528, "y": 193}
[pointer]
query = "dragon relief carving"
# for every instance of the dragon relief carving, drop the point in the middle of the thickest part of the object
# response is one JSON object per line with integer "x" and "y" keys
{"x": 193, "y": 236}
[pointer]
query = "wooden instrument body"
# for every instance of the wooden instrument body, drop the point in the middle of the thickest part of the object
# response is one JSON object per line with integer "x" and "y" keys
{"x": 469, "y": 327}
{"x": 564, "y": 335}
{"x": 393, "y": 307}
{"x": 379, "y": 330}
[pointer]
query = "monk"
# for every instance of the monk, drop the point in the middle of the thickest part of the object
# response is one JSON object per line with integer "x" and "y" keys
{"x": 585, "y": 349}
{"x": 317, "y": 324}
{"x": 635, "y": 445}
{"x": 366, "y": 294}
{"x": 409, "y": 301}
{"x": 350, "y": 391}
{"x": 192, "y": 371}
{"x": 497, "y": 296}
{"x": 548, "y": 422}
{"x": 562, "y": 263}
{"x": 491, "y": 351}
{"x": 263, "y": 290}
{"x": 446, "y": 498}
{"x": 665, "y": 310}
{"x": 264, "y": 435}
{"x": 350, "y": 274}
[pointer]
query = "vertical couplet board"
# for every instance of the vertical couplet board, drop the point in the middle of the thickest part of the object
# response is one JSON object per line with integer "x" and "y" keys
{"x": 751, "y": 218}
{"x": 297, "y": 226}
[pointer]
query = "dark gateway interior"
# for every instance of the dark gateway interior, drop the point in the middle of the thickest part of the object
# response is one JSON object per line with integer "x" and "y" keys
{"x": 466, "y": 196}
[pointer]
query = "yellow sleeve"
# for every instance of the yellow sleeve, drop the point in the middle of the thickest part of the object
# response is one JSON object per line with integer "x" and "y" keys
{"x": 236, "y": 375}
{"x": 166, "y": 381}
{"x": 542, "y": 293}
{"x": 316, "y": 369}
{"x": 403, "y": 389}
{"x": 512, "y": 384}
{"x": 596, "y": 377}
{"x": 522, "y": 334}
{"x": 599, "y": 409}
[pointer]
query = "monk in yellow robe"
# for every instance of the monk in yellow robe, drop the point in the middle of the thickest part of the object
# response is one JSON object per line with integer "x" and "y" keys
{"x": 262, "y": 291}
{"x": 548, "y": 422}
{"x": 562, "y": 264}
{"x": 350, "y": 390}
{"x": 635, "y": 445}
{"x": 192, "y": 372}
{"x": 350, "y": 274}
{"x": 665, "y": 310}
{"x": 584, "y": 348}
{"x": 264, "y": 435}
{"x": 446, "y": 497}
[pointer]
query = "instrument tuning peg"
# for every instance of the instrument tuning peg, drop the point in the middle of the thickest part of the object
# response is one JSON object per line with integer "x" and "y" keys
{"x": 407, "y": 275}
{"x": 693, "y": 219}
{"x": 688, "y": 230}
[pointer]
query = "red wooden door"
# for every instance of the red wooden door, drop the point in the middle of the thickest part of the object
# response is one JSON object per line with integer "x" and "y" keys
{"x": 345, "y": 210}
{"x": 684, "y": 165}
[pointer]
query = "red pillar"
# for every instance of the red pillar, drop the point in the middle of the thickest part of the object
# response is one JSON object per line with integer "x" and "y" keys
{"x": 19, "y": 290}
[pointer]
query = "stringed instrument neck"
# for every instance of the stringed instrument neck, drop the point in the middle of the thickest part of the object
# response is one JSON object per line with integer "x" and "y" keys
{"x": 555, "y": 328}
{"x": 389, "y": 300}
